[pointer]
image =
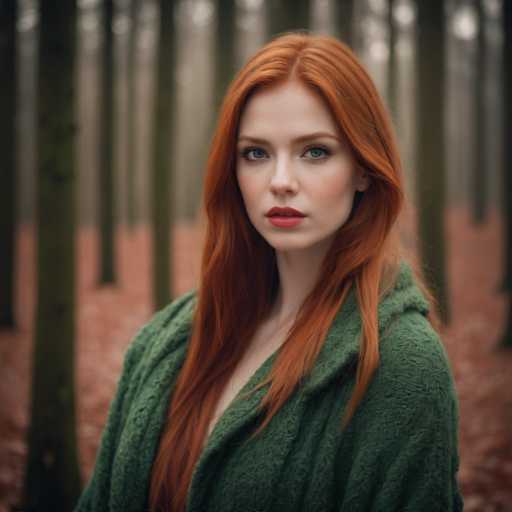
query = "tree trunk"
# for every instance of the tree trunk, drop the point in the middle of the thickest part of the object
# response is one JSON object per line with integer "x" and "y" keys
{"x": 135, "y": 7}
{"x": 162, "y": 173}
{"x": 480, "y": 143}
{"x": 225, "y": 65}
{"x": 430, "y": 167}
{"x": 8, "y": 152}
{"x": 345, "y": 17}
{"x": 52, "y": 480}
{"x": 106, "y": 138}
{"x": 225, "y": 49}
{"x": 224, "y": 72}
{"x": 285, "y": 15}
{"x": 507, "y": 164}
{"x": 392, "y": 84}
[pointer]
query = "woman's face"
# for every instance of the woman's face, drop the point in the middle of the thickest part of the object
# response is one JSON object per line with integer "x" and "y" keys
{"x": 289, "y": 154}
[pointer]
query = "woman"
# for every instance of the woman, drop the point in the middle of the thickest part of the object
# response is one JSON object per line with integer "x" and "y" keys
{"x": 304, "y": 373}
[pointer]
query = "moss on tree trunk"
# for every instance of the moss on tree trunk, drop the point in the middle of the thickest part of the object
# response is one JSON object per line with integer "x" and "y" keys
{"x": 480, "y": 144}
{"x": 8, "y": 151}
{"x": 161, "y": 202}
{"x": 430, "y": 163}
{"x": 52, "y": 479}
{"x": 106, "y": 191}
{"x": 507, "y": 165}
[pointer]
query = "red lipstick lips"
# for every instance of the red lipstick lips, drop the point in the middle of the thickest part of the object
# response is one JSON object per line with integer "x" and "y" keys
{"x": 284, "y": 217}
{"x": 276, "y": 211}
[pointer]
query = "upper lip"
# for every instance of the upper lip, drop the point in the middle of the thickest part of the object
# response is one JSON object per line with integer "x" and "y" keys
{"x": 285, "y": 212}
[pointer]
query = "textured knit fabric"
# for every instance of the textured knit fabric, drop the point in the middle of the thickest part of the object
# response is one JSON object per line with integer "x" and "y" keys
{"x": 399, "y": 452}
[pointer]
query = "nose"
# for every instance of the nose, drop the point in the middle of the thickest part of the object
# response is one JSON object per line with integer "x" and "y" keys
{"x": 283, "y": 179}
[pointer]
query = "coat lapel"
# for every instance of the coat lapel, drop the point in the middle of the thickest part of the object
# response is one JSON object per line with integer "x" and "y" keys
{"x": 238, "y": 415}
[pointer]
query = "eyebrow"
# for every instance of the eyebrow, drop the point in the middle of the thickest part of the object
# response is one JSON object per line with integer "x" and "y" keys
{"x": 302, "y": 138}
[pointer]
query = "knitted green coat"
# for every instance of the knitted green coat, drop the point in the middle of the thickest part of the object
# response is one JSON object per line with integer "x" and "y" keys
{"x": 399, "y": 452}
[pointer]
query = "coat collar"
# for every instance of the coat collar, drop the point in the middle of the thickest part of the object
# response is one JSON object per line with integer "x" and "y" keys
{"x": 341, "y": 346}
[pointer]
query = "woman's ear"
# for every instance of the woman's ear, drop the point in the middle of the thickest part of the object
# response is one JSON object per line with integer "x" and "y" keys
{"x": 362, "y": 180}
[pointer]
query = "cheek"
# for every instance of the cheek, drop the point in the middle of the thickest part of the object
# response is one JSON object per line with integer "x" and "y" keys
{"x": 335, "y": 189}
{"x": 249, "y": 188}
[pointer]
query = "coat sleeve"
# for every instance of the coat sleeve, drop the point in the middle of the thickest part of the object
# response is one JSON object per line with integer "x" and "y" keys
{"x": 95, "y": 496}
{"x": 404, "y": 455}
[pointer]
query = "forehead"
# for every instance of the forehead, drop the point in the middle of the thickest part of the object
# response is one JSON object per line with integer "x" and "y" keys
{"x": 290, "y": 107}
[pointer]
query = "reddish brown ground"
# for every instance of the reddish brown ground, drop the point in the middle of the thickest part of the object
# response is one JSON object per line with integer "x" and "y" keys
{"x": 109, "y": 316}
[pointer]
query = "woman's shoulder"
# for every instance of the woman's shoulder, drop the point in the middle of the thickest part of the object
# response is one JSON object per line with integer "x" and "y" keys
{"x": 411, "y": 350}
{"x": 411, "y": 344}
{"x": 404, "y": 433}
{"x": 165, "y": 328}
{"x": 414, "y": 366}
{"x": 412, "y": 397}
{"x": 175, "y": 312}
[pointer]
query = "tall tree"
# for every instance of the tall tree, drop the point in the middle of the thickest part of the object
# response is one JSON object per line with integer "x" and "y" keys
{"x": 135, "y": 7}
{"x": 106, "y": 138}
{"x": 162, "y": 173}
{"x": 8, "y": 152}
{"x": 392, "y": 61}
{"x": 430, "y": 164}
{"x": 480, "y": 144}
{"x": 225, "y": 67}
{"x": 284, "y": 15}
{"x": 52, "y": 480}
{"x": 225, "y": 48}
{"x": 345, "y": 20}
{"x": 507, "y": 166}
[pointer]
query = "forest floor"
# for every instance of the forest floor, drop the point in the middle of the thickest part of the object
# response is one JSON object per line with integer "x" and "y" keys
{"x": 109, "y": 316}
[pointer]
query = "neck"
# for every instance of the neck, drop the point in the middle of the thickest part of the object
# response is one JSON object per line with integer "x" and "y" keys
{"x": 298, "y": 273}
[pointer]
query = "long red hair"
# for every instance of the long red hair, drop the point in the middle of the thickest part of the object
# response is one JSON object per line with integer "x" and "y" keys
{"x": 238, "y": 277}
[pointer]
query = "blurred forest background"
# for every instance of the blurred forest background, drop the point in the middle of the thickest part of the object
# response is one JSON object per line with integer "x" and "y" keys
{"x": 107, "y": 109}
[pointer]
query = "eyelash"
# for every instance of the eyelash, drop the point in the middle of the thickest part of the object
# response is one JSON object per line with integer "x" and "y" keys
{"x": 245, "y": 152}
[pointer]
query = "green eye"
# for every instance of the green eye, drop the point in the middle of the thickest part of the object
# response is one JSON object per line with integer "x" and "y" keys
{"x": 318, "y": 153}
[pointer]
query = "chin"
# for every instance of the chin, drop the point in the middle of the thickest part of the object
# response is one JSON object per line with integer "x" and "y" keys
{"x": 299, "y": 241}
{"x": 289, "y": 242}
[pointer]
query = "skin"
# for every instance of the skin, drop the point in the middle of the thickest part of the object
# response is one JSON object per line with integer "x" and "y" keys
{"x": 300, "y": 174}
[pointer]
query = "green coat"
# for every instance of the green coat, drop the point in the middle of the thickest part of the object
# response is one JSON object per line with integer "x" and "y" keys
{"x": 398, "y": 454}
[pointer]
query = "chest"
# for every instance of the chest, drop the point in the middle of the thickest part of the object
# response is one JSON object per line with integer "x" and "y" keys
{"x": 290, "y": 466}
{"x": 261, "y": 347}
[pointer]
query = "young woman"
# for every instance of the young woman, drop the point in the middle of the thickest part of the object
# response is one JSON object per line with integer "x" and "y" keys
{"x": 306, "y": 371}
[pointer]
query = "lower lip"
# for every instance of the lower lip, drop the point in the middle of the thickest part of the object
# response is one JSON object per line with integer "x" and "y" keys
{"x": 285, "y": 222}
